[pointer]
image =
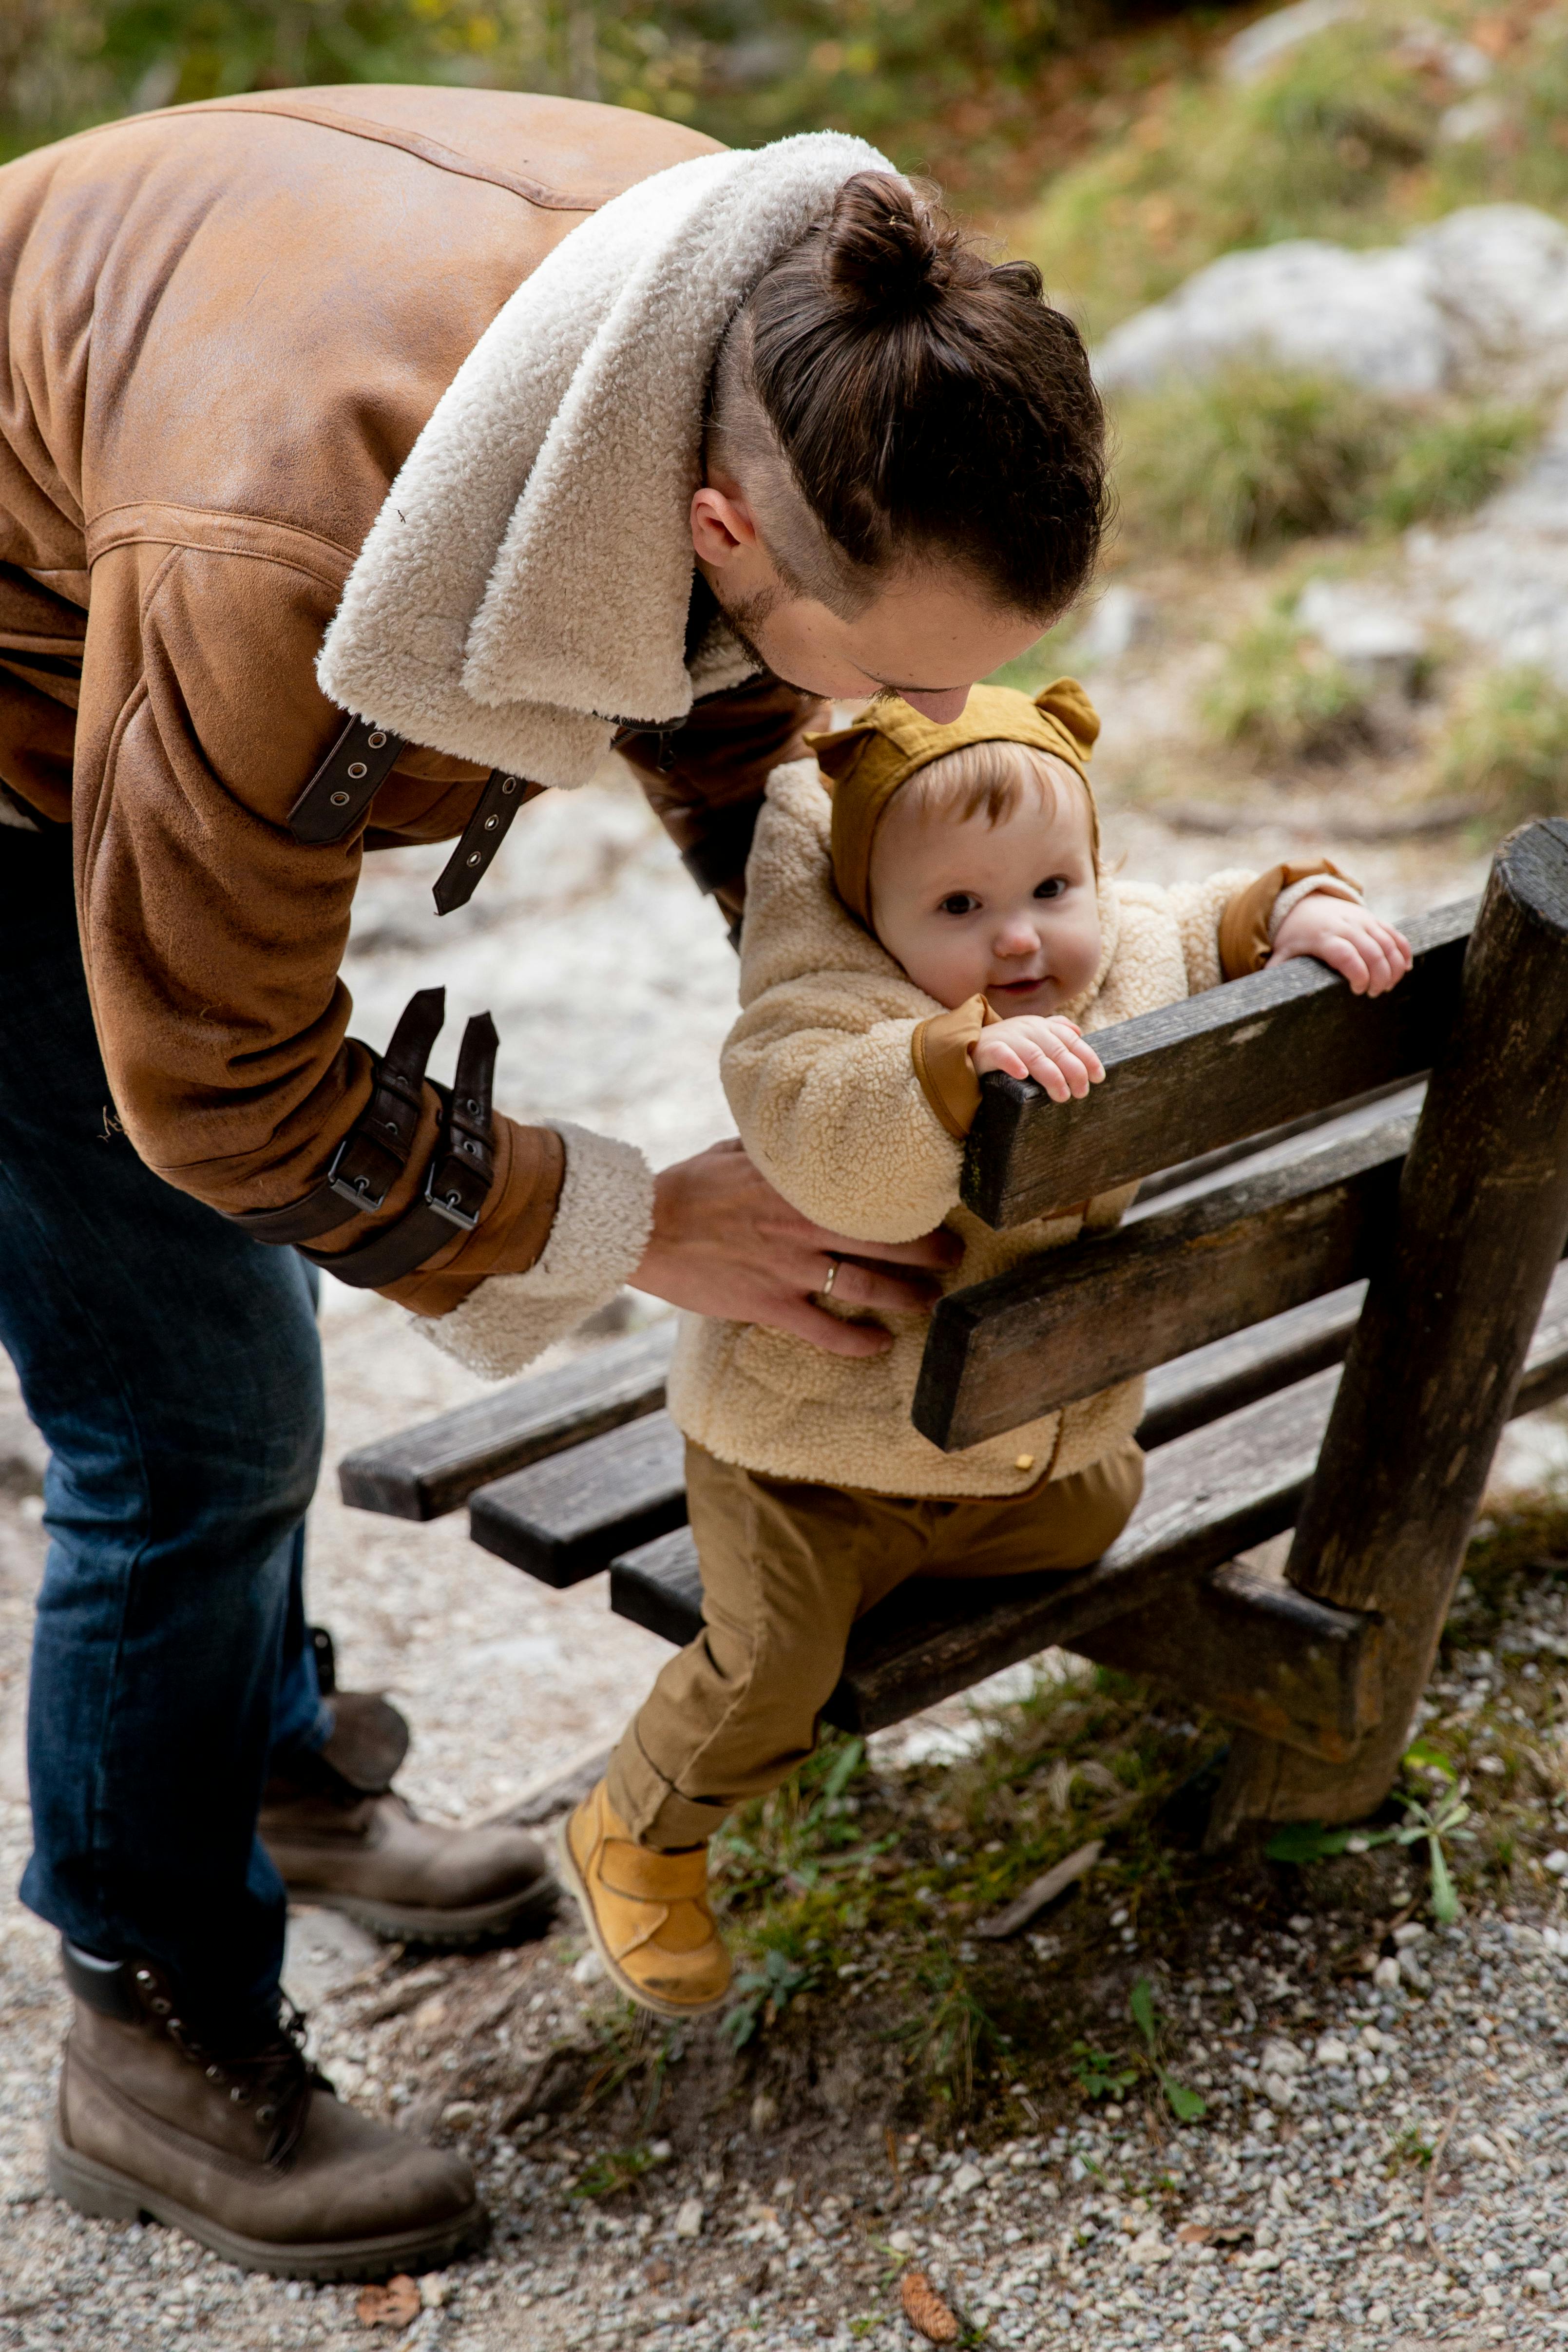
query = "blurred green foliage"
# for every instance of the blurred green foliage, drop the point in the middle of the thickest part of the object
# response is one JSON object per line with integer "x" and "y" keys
{"x": 1281, "y": 695}
{"x": 1507, "y": 745}
{"x": 1357, "y": 134}
{"x": 743, "y": 70}
{"x": 1256, "y": 454}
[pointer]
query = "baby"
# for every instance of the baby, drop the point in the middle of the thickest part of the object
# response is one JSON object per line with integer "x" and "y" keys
{"x": 924, "y": 904}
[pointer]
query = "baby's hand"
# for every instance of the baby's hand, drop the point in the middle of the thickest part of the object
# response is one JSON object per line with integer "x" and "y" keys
{"x": 1341, "y": 933}
{"x": 1043, "y": 1046}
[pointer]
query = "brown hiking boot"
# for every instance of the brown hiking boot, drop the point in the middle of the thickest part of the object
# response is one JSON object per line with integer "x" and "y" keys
{"x": 646, "y": 1912}
{"x": 341, "y": 1837}
{"x": 252, "y": 2155}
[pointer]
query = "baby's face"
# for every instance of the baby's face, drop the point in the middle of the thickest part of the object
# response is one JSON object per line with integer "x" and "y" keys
{"x": 1009, "y": 909}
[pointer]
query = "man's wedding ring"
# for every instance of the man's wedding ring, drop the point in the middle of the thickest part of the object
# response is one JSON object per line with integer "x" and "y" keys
{"x": 826, "y": 1289}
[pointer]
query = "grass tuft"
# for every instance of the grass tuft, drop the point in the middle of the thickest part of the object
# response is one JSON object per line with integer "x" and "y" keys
{"x": 1451, "y": 462}
{"x": 1256, "y": 454}
{"x": 1248, "y": 457}
{"x": 1508, "y": 746}
{"x": 1281, "y": 695}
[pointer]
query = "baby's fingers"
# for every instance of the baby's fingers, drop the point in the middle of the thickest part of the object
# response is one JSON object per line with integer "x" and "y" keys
{"x": 1049, "y": 1074}
{"x": 1344, "y": 956}
{"x": 1062, "y": 1068}
{"x": 995, "y": 1054}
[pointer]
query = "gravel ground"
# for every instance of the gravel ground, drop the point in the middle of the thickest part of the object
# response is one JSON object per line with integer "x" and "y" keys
{"x": 753, "y": 2230}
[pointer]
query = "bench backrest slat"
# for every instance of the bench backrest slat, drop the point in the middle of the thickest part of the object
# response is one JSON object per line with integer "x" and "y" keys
{"x": 1201, "y": 1076}
{"x": 1063, "y": 1326}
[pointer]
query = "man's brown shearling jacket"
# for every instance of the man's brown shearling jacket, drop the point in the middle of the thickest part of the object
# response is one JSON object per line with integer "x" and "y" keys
{"x": 227, "y": 325}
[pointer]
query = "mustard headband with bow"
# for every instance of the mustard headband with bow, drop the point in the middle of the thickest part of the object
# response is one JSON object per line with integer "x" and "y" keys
{"x": 865, "y": 764}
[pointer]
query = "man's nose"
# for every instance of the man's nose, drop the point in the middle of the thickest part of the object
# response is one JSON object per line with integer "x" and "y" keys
{"x": 944, "y": 707}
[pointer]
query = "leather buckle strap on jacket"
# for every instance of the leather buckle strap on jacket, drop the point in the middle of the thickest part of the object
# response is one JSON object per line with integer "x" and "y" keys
{"x": 458, "y": 1176}
{"x": 375, "y": 1152}
{"x": 339, "y": 793}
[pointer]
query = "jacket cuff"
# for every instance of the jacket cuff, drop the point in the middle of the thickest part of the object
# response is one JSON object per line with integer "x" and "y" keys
{"x": 600, "y": 1231}
{"x": 1248, "y": 921}
{"x": 947, "y": 1078}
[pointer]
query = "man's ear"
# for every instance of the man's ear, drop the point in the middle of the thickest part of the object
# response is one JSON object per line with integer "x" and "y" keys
{"x": 723, "y": 526}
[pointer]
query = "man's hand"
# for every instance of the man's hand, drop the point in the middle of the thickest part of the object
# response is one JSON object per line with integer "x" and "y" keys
{"x": 1340, "y": 933}
{"x": 725, "y": 1243}
{"x": 1045, "y": 1047}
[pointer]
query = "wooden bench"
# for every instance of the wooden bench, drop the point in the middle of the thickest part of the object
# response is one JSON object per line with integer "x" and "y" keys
{"x": 1326, "y": 1182}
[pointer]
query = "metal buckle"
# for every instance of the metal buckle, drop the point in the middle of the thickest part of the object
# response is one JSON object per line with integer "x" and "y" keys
{"x": 359, "y": 1194}
{"x": 448, "y": 1207}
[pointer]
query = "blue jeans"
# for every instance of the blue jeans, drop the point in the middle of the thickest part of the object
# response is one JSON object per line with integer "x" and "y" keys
{"x": 174, "y": 1369}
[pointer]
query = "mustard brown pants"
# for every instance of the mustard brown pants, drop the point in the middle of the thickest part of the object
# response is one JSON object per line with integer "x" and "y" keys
{"x": 786, "y": 1569}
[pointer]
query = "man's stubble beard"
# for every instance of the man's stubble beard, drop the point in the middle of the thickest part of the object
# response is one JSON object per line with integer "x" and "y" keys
{"x": 744, "y": 617}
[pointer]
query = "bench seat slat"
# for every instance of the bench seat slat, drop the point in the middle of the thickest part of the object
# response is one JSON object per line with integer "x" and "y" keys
{"x": 565, "y": 1518}
{"x": 1219, "y": 1491}
{"x": 1200, "y": 1075}
{"x": 433, "y": 1467}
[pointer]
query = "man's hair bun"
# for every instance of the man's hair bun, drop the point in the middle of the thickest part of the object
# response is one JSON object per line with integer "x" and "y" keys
{"x": 881, "y": 248}
{"x": 928, "y": 403}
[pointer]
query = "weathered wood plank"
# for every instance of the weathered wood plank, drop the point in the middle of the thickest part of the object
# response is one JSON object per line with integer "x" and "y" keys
{"x": 1450, "y": 1312}
{"x": 565, "y": 1518}
{"x": 1399, "y": 1094}
{"x": 1249, "y": 1648}
{"x": 419, "y": 1473}
{"x": 1076, "y": 1320}
{"x": 1220, "y": 1379}
{"x": 1208, "y": 1496}
{"x": 1197, "y": 1077}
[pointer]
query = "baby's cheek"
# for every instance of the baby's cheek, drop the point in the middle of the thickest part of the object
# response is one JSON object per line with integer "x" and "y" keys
{"x": 1078, "y": 959}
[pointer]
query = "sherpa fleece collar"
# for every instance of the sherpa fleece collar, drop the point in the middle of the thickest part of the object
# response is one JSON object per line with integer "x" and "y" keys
{"x": 525, "y": 586}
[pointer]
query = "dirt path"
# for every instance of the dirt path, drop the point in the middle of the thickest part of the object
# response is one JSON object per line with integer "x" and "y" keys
{"x": 612, "y": 987}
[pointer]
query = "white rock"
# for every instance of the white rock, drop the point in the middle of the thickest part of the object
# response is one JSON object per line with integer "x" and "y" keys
{"x": 1413, "y": 1932}
{"x": 1481, "y": 2148}
{"x": 1282, "y": 2057}
{"x": 965, "y": 2180}
{"x": 1331, "y": 2051}
{"x": 1484, "y": 290}
{"x": 689, "y": 2219}
{"x": 1148, "y": 2250}
{"x": 1362, "y": 627}
{"x": 901, "y": 2242}
{"x": 1501, "y": 275}
{"x": 1556, "y": 1863}
{"x": 1385, "y": 1976}
{"x": 1266, "y": 2258}
{"x": 1279, "y": 2194}
{"x": 1373, "y": 317}
{"x": 1539, "y": 2282}
{"x": 589, "y": 1970}
{"x": 1249, "y": 55}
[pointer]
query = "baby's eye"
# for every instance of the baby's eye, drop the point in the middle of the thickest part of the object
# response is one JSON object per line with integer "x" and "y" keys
{"x": 1053, "y": 888}
{"x": 958, "y": 902}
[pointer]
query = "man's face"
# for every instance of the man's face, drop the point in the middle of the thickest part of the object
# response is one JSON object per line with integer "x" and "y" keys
{"x": 927, "y": 638}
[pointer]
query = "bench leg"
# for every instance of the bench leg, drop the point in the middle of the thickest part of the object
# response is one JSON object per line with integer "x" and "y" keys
{"x": 1437, "y": 1356}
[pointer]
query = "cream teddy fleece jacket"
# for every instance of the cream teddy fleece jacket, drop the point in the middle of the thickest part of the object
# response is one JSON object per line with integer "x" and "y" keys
{"x": 820, "y": 1076}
